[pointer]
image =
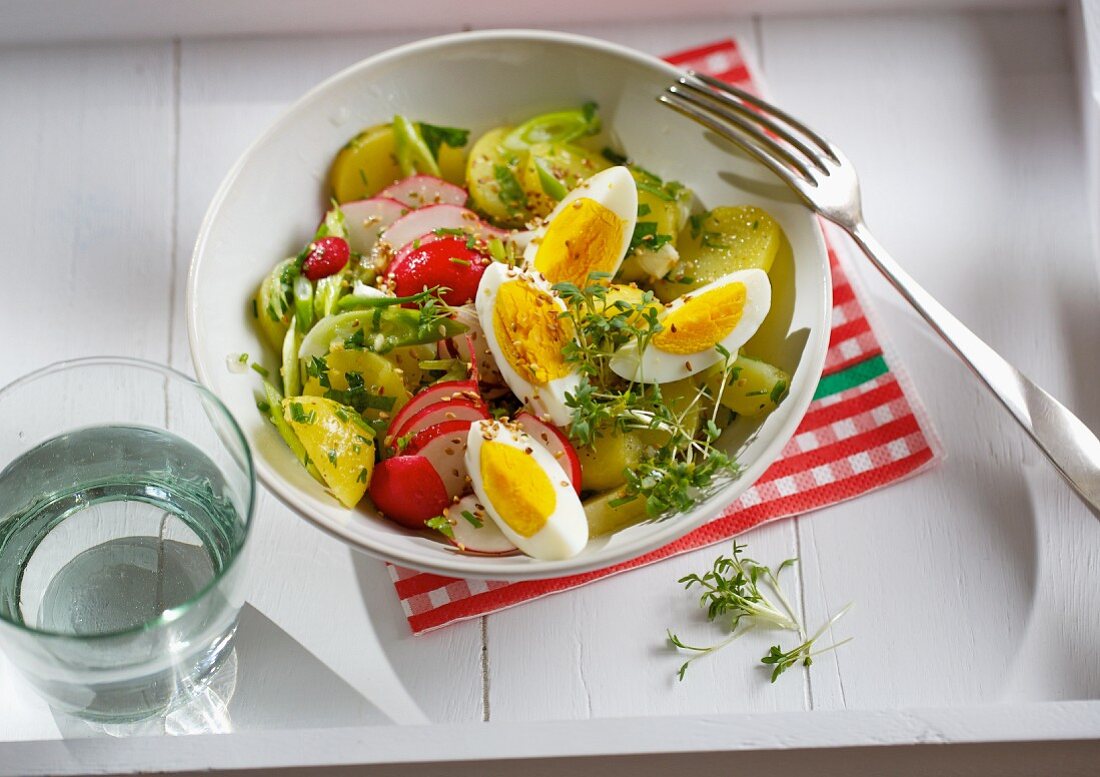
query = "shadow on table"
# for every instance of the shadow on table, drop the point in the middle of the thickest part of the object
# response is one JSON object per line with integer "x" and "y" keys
{"x": 269, "y": 682}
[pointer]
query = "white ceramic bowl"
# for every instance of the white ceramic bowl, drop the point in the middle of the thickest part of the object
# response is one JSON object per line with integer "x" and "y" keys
{"x": 271, "y": 200}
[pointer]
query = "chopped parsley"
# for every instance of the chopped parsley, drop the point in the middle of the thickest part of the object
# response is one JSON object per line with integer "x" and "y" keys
{"x": 614, "y": 157}
{"x": 299, "y": 415}
{"x": 695, "y": 221}
{"x": 436, "y": 136}
{"x": 646, "y": 236}
{"x": 359, "y": 397}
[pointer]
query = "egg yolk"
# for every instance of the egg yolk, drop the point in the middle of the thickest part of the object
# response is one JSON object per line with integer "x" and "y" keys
{"x": 584, "y": 238}
{"x": 518, "y": 488}
{"x": 703, "y": 321}
{"x": 530, "y": 334}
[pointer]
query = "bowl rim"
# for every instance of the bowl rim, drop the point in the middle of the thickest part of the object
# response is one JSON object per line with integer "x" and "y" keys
{"x": 469, "y": 566}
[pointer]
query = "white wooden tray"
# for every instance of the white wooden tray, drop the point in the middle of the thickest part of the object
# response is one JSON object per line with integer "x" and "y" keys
{"x": 977, "y": 616}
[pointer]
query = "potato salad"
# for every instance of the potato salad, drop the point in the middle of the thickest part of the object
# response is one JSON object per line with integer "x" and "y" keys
{"x": 518, "y": 341}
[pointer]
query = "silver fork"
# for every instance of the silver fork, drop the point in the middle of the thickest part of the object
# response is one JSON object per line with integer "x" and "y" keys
{"x": 824, "y": 178}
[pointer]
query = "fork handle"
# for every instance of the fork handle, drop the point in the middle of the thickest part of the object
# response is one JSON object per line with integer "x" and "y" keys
{"x": 1061, "y": 435}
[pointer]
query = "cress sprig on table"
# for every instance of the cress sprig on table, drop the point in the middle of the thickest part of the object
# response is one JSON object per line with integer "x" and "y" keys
{"x": 672, "y": 476}
{"x": 732, "y": 587}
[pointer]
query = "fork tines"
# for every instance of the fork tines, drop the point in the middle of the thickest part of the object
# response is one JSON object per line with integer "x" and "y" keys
{"x": 784, "y": 144}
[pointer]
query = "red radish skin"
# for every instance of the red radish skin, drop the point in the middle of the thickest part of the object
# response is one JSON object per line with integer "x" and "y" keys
{"x": 444, "y": 445}
{"x": 440, "y": 392}
{"x": 433, "y": 217}
{"x": 447, "y": 261}
{"x": 479, "y": 355}
{"x": 484, "y": 540}
{"x": 439, "y": 412}
{"x": 554, "y": 440}
{"x": 407, "y": 490}
{"x": 327, "y": 256}
{"x": 418, "y": 191}
{"x": 366, "y": 219}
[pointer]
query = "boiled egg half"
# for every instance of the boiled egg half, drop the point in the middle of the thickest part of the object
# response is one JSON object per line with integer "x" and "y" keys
{"x": 527, "y": 337}
{"x": 525, "y": 491}
{"x": 725, "y": 312}
{"x": 589, "y": 231}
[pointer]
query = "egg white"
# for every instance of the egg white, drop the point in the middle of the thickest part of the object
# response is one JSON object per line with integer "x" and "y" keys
{"x": 565, "y": 532}
{"x": 548, "y": 400}
{"x": 657, "y": 366}
{"x": 614, "y": 189}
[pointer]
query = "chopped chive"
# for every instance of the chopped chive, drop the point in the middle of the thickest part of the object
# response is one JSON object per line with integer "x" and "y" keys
{"x": 441, "y": 525}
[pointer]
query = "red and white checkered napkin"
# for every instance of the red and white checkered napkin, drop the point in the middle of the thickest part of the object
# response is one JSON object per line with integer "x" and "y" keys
{"x": 861, "y": 432}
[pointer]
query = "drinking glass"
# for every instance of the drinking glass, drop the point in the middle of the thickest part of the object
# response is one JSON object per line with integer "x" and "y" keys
{"x": 126, "y": 495}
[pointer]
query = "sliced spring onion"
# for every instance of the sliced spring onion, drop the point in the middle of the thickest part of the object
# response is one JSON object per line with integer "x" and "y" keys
{"x": 550, "y": 185}
{"x": 291, "y": 371}
{"x": 555, "y": 127}
{"x": 303, "y": 304}
{"x": 413, "y": 154}
{"x": 275, "y": 415}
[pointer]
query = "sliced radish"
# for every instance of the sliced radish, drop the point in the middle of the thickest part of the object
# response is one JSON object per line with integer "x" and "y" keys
{"x": 473, "y": 372}
{"x": 433, "y": 217}
{"x": 439, "y": 412}
{"x": 408, "y": 490}
{"x": 474, "y": 531}
{"x": 555, "y": 441}
{"x": 480, "y": 357}
{"x": 440, "y": 392}
{"x": 367, "y": 218}
{"x": 444, "y": 445}
{"x": 417, "y": 191}
{"x": 445, "y": 349}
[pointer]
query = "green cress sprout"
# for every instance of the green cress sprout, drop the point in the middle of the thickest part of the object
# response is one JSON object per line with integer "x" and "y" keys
{"x": 672, "y": 476}
{"x": 732, "y": 588}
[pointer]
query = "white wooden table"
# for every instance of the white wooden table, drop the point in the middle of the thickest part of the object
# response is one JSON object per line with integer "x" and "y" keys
{"x": 977, "y": 612}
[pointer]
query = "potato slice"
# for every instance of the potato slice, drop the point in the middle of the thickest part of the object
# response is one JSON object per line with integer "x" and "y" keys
{"x": 667, "y": 206}
{"x": 338, "y": 442}
{"x": 755, "y": 388}
{"x": 551, "y": 170}
{"x": 488, "y": 165}
{"x": 604, "y": 463}
{"x": 604, "y": 518}
{"x": 719, "y": 242}
{"x": 381, "y": 382}
{"x": 365, "y": 165}
{"x": 678, "y": 396}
